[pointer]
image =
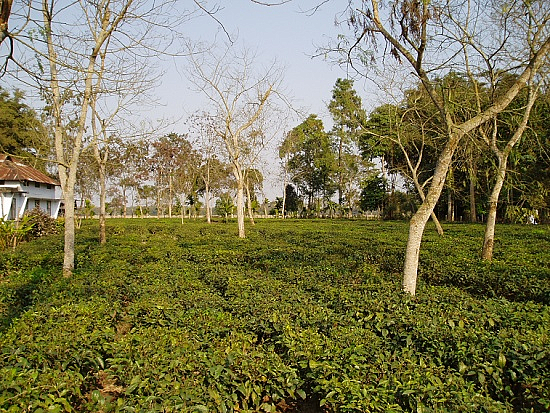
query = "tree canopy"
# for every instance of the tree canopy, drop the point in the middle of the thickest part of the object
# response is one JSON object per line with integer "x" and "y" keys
{"x": 21, "y": 130}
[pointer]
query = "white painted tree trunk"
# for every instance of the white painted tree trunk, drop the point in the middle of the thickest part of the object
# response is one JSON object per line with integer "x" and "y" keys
{"x": 502, "y": 156}
{"x": 420, "y": 190}
{"x": 207, "y": 202}
{"x": 420, "y": 218}
{"x": 489, "y": 238}
{"x": 68, "y": 248}
{"x": 240, "y": 208}
{"x": 239, "y": 177}
{"x": 102, "y": 200}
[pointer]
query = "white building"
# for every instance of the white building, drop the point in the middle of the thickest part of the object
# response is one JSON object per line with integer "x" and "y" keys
{"x": 23, "y": 188}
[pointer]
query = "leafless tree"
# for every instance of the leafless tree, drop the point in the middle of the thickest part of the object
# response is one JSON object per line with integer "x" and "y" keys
{"x": 117, "y": 90}
{"x": 74, "y": 40}
{"x": 242, "y": 99}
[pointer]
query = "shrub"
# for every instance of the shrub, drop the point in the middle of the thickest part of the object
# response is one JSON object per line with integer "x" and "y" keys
{"x": 12, "y": 232}
{"x": 300, "y": 316}
{"x": 42, "y": 224}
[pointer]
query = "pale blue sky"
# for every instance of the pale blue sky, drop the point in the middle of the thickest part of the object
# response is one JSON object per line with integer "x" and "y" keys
{"x": 287, "y": 33}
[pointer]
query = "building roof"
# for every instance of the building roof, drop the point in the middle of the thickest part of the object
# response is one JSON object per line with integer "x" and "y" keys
{"x": 12, "y": 169}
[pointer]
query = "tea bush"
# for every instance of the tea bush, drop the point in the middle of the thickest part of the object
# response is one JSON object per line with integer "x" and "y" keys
{"x": 300, "y": 316}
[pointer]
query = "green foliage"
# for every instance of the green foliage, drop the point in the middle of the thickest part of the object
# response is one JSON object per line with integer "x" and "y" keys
{"x": 303, "y": 315}
{"x": 346, "y": 108}
{"x": 311, "y": 160}
{"x": 21, "y": 131}
{"x": 373, "y": 193}
{"x": 13, "y": 232}
{"x": 225, "y": 205}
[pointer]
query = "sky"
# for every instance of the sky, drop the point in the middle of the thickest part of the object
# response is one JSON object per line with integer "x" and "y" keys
{"x": 284, "y": 33}
{"x": 288, "y": 33}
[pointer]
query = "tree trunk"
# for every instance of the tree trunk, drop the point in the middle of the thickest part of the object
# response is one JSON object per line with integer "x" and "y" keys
{"x": 340, "y": 174}
{"x": 284, "y": 199}
{"x": 170, "y": 197}
{"x": 450, "y": 215}
{"x": 68, "y": 249}
{"x": 240, "y": 198}
{"x": 420, "y": 218}
{"x": 207, "y": 202}
{"x": 249, "y": 204}
{"x": 472, "y": 179}
{"x": 240, "y": 210}
{"x": 159, "y": 203}
{"x": 489, "y": 238}
{"x": 102, "y": 199}
{"x": 420, "y": 190}
{"x": 473, "y": 207}
{"x": 182, "y": 199}
{"x": 124, "y": 209}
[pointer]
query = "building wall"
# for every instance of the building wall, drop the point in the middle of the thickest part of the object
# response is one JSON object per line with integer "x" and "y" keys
{"x": 46, "y": 197}
{"x": 41, "y": 191}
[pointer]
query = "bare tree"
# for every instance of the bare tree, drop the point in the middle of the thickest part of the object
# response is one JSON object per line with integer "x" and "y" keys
{"x": 242, "y": 99}
{"x": 118, "y": 88}
{"x": 436, "y": 37}
{"x": 72, "y": 39}
{"x": 101, "y": 20}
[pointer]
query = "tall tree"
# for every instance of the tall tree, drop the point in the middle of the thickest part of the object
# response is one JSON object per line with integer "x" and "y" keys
{"x": 241, "y": 98}
{"x": 21, "y": 130}
{"x": 115, "y": 91}
{"x": 100, "y": 22}
{"x": 502, "y": 154}
{"x": 514, "y": 39}
{"x": 61, "y": 52}
{"x": 349, "y": 118}
{"x": 310, "y": 160}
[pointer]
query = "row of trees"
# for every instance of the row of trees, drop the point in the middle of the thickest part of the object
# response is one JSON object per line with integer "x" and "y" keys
{"x": 407, "y": 135}
{"x": 323, "y": 164}
{"x": 502, "y": 48}
{"x": 169, "y": 175}
{"x": 404, "y": 138}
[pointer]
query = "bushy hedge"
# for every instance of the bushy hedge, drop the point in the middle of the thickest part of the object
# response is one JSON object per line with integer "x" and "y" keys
{"x": 300, "y": 316}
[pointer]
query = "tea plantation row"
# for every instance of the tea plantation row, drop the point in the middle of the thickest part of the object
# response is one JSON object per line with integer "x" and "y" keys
{"x": 302, "y": 316}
